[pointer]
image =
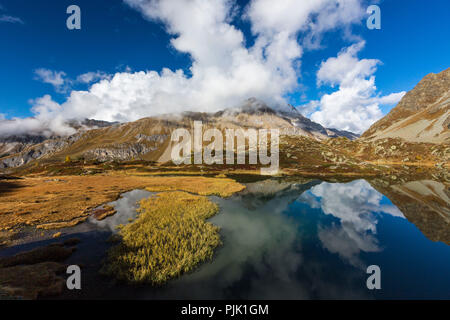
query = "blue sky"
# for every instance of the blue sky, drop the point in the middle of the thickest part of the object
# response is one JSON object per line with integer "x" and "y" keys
{"x": 118, "y": 38}
{"x": 413, "y": 42}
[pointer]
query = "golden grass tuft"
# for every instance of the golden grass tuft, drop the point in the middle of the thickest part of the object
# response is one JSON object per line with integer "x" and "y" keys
{"x": 222, "y": 187}
{"x": 169, "y": 237}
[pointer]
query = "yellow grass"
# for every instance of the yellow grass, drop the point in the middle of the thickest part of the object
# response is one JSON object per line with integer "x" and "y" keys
{"x": 169, "y": 237}
{"x": 56, "y": 203}
{"x": 222, "y": 187}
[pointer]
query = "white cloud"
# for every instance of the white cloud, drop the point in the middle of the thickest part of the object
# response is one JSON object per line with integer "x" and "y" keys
{"x": 392, "y": 98}
{"x": 346, "y": 68}
{"x": 224, "y": 72}
{"x": 308, "y": 108}
{"x": 312, "y": 17}
{"x": 90, "y": 77}
{"x": 49, "y": 119}
{"x": 56, "y": 78}
{"x": 10, "y": 19}
{"x": 62, "y": 83}
{"x": 356, "y": 104}
{"x": 335, "y": 14}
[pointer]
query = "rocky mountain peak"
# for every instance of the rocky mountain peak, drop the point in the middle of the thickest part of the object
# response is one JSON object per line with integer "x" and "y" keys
{"x": 423, "y": 114}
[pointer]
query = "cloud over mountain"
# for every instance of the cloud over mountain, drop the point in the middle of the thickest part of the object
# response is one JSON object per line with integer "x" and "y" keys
{"x": 356, "y": 104}
{"x": 225, "y": 71}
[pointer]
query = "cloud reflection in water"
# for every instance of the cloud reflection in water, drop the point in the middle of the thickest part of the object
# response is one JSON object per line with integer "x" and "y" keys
{"x": 357, "y": 207}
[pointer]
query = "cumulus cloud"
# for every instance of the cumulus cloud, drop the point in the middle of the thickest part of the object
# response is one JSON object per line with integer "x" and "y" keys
{"x": 90, "y": 77}
{"x": 356, "y": 104}
{"x": 224, "y": 70}
{"x": 62, "y": 83}
{"x": 56, "y": 78}
{"x": 346, "y": 68}
{"x": 392, "y": 98}
{"x": 313, "y": 17}
{"x": 48, "y": 120}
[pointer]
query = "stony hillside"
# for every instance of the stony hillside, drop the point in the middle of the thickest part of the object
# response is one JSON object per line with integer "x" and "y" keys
{"x": 394, "y": 151}
{"x": 423, "y": 114}
{"x": 16, "y": 150}
{"x": 149, "y": 138}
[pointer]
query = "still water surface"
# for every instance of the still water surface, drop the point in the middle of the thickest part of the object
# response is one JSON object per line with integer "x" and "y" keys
{"x": 315, "y": 241}
{"x": 305, "y": 239}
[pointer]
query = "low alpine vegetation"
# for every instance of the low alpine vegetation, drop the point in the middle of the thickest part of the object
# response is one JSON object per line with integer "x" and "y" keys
{"x": 169, "y": 237}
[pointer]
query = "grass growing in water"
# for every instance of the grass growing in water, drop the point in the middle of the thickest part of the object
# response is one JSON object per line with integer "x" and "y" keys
{"x": 169, "y": 237}
{"x": 67, "y": 200}
{"x": 222, "y": 187}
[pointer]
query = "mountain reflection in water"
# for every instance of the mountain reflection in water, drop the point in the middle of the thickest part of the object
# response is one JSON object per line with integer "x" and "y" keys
{"x": 311, "y": 239}
{"x": 308, "y": 239}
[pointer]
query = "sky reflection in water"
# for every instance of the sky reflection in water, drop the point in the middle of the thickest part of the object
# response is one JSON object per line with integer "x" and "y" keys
{"x": 315, "y": 240}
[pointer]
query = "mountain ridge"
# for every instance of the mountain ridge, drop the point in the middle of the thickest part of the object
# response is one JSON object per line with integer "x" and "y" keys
{"x": 422, "y": 115}
{"x": 148, "y": 138}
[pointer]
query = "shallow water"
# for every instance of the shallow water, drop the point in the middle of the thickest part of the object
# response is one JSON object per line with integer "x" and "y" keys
{"x": 125, "y": 206}
{"x": 303, "y": 239}
{"x": 315, "y": 241}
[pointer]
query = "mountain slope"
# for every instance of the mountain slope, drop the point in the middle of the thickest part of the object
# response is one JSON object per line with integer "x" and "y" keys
{"x": 16, "y": 150}
{"x": 423, "y": 114}
{"x": 149, "y": 138}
